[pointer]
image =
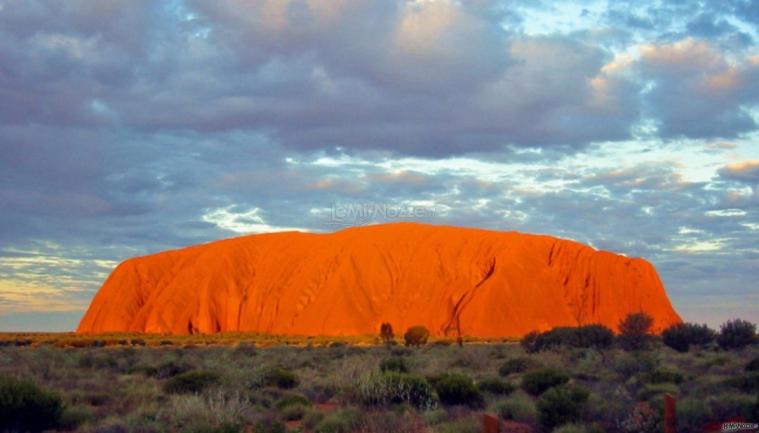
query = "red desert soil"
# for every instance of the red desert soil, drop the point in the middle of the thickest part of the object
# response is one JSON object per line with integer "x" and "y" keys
{"x": 485, "y": 283}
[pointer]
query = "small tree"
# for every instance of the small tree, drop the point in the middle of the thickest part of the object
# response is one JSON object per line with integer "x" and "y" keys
{"x": 681, "y": 336}
{"x": 26, "y": 407}
{"x": 386, "y": 333}
{"x": 736, "y": 334}
{"x": 635, "y": 331}
{"x": 594, "y": 336}
{"x": 416, "y": 336}
{"x": 561, "y": 405}
{"x": 531, "y": 342}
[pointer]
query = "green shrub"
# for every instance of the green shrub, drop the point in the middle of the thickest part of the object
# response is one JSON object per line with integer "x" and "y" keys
{"x": 463, "y": 425}
{"x": 343, "y": 421}
{"x": 630, "y": 364}
{"x": 26, "y": 407}
{"x": 736, "y": 334}
{"x": 693, "y": 413}
{"x": 381, "y": 389}
{"x": 245, "y": 349}
{"x": 559, "y": 336}
{"x": 518, "y": 407}
{"x": 730, "y": 405}
{"x": 191, "y": 382}
{"x": 170, "y": 368}
{"x": 457, "y": 389}
{"x": 494, "y": 385}
{"x": 561, "y": 405}
{"x": 577, "y": 428}
{"x": 292, "y": 400}
{"x": 681, "y": 336}
{"x": 416, "y": 336}
{"x": 538, "y": 382}
{"x": 395, "y": 363}
{"x": 293, "y": 412}
{"x": 514, "y": 365}
{"x": 269, "y": 424}
{"x": 635, "y": 331}
{"x": 74, "y": 416}
{"x": 666, "y": 376}
{"x": 280, "y": 377}
{"x": 754, "y": 411}
{"x": 401, "y": 351}
{"x": 531, "y": 342}
{"x": 753, "y": 365}
{"x": 311, "y": 418}
{"x": 594, "y": 336}
{"x": 746, "y": 383}
{"x": 649, "y": 392}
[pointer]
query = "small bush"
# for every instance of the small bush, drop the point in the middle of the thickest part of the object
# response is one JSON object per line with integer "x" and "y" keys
{"x": 494, "y": 385}
{"x": 561, "y": 405}
{"x": 26, "y": 407}
{"x": 577, "y": 428}
{"x": 538, "y": 382}
{"x": 395, "y": 363}
{"x": 74, "y": 416}
{"x": 649, "y": 392}
{"x": 191, "y": 382}
{"x": 292, "y": 400}
{"x": 531, "y": 342}
{"x": 280, "y": 377}
{"x": 514, "y": 365}
{"x": 269, "y": 424}
{"x": 416, "y": 336}
{"x": 681, "y": 336}
{"x": 730, "y": 405}
{"x": 587, "y": 336}
{"x": 635, "y": 331}
{"x": 391, "y": 387}
{"x": 630, "y": 364}
{"x": 311, "y": 418}
{"x": 463, "y": 425}
{"x": 343, "y": 421}
{"x": 594, "y": 336}
{"x": 663, "y": 375}
{"x": 245, "y": 350}
{"x": 458, "y": 389}
{"x": 560, "y": 336}
{"x": 736, "y": 334}
{"x": 746, "y": 383}
{"x": 137, "y": 342}
{"x": 753, "y": 365}
{"x": 386, "y": 333}
{"x": 693, "y": 413}
{"x": 294, "y": 412}
{"x": 519, "y": 407}
{"x": 170, "y": 368}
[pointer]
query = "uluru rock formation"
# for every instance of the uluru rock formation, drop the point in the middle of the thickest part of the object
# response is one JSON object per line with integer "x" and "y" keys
{"x": 480, "y": 282}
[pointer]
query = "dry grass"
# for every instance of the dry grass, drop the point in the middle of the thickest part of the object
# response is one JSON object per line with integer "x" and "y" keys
{"x": 121, "y": 386}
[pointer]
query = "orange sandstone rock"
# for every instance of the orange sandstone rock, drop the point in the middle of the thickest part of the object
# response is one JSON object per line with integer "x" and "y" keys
{"x": 480, "y": 282}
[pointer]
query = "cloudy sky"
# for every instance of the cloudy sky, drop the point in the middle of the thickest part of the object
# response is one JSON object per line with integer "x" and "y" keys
{"x": 129, "y": 127}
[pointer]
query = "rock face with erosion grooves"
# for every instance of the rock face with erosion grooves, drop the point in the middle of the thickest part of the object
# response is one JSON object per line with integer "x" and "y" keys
{"x": 478, "y": 282}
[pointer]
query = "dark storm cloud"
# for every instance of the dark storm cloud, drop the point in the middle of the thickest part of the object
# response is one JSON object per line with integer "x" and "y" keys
{"x": 429, "y": 78}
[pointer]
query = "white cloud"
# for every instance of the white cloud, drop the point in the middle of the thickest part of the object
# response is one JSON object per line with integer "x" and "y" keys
{"x": 249, "y": 221}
